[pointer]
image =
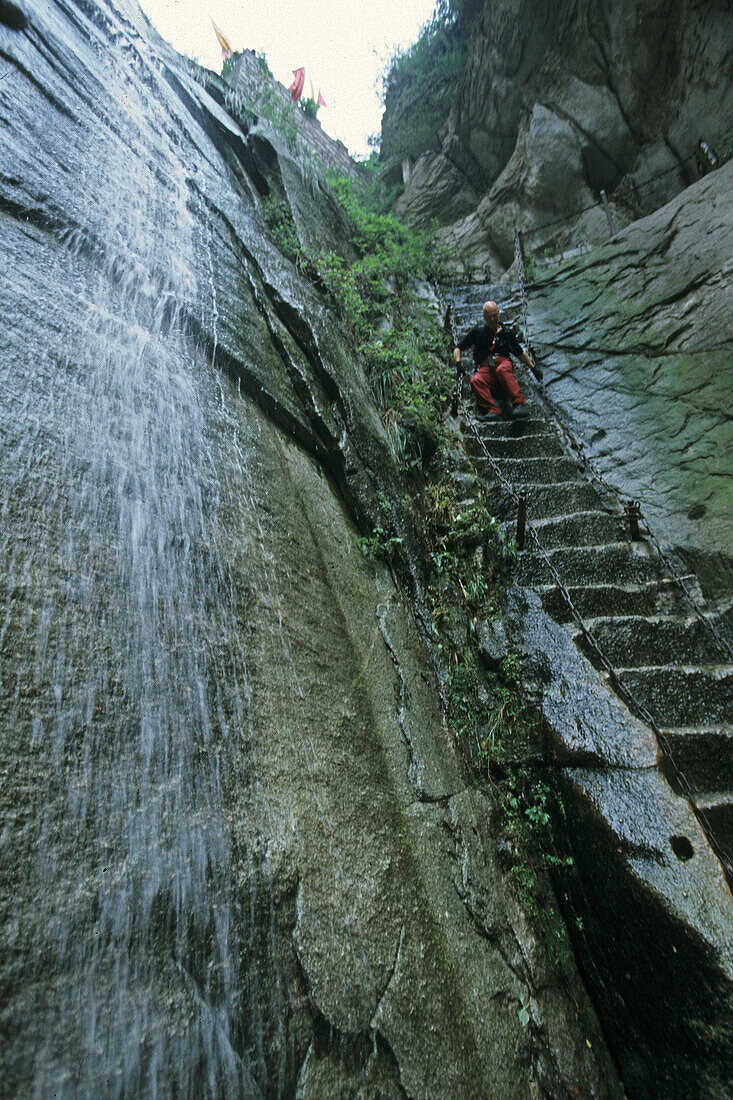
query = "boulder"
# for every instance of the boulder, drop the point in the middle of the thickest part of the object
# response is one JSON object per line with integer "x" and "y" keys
{"x": 435, "y": 189}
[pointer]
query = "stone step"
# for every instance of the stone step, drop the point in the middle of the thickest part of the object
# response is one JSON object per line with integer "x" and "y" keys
{"x": 550, "y": 501}
{"x": 545, "y": 471}
{"x": 517, "y": 446}
{"x": 654, "y": 640}
{"x": 682, "y": 695}
{"x": 619, "y": 599}
{"x": 704, "y": 755}
{"x": 619, "y": 563}
{"x": 534, "y": 427}
{"x": 587, "y": 528}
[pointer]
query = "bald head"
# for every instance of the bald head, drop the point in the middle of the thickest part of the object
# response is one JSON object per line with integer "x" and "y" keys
{"x": 491, "y": 315}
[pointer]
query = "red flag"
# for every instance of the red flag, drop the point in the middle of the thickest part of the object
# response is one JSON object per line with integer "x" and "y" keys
{"x": 296, "y": 88}
{"x": 321, "y": 101}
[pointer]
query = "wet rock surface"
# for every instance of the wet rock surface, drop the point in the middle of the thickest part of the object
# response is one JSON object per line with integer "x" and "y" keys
{"x": 240, "y": 853}
{"x": 637, "y": 338}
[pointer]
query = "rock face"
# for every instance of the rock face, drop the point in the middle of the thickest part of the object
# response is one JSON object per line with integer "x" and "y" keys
{"x": 255, "y": 87}
{"x": 240, "y": 853}
{"x": 638, "y": 339}
{"x": 560, "y": 100}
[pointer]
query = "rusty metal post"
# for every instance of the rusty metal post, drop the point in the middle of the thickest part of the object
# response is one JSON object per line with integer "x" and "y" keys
{"x": 633, "y": 513}
{"x": 607, "y": 208}
{"x": 521, "y": 520}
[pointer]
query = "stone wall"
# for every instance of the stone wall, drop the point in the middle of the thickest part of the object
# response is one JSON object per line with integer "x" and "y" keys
{"x": 250, "y": 79}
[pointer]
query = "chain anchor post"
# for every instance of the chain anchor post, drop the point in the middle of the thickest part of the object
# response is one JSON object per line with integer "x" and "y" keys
{"x": 521, "y": 247}
{"x": 709, "y": 159}
{"x": 633, "y": 514}
{"x": 607, "y": 211}
{"x": 521, "y": 520}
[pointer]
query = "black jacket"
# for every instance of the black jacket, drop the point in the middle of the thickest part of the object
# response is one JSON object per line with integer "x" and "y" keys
{"x": 484, "y": 343}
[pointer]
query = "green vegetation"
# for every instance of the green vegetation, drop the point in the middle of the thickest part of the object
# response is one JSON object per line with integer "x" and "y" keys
{"x": 380, "y": 544}
{"x": 265, "y": 102}
{"x": 428, "y": 77}
{"x": 487, "y": 707}
{"x": 280, "y": 115}
{"x": 308, "y": 106}
{"x": 280, "y": 222}
{"x": 264, "y": 65}
{"x": 406, "y": 357}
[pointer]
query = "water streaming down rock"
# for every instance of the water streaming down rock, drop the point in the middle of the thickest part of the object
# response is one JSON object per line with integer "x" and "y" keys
{"x": 123, "y": 466}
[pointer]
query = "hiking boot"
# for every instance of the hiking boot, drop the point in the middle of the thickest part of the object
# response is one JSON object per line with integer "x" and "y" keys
{"x": 520, "y": 412}
{"x": 487, "y": 417}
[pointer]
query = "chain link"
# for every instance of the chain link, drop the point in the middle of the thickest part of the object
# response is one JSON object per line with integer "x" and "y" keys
{"x": 619, "y": 686}
{"x": 519, "y": 261}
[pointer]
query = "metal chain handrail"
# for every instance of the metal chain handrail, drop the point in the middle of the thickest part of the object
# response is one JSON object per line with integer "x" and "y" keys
{"x": 519, "y": 260}
{"x": 619, "y": 686}
{"x": 594, "y": 205}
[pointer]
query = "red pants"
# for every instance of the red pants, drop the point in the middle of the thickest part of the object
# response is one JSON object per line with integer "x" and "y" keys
{"x": 493, "y": 381}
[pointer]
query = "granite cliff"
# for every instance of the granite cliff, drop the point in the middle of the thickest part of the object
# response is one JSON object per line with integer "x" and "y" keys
{"x": 554, "y": 103}
{"x": 243, "y": 854}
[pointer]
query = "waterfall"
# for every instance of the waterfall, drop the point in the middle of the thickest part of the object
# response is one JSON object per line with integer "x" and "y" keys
{"x": 124, "y": 468}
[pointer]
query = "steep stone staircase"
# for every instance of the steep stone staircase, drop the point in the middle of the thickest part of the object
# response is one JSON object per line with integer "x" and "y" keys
{"x": 659, "y": 648}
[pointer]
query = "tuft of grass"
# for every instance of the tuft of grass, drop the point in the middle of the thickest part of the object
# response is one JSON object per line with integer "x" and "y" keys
{"x": 280, "y": 222}
{"x": 402, "y": 348}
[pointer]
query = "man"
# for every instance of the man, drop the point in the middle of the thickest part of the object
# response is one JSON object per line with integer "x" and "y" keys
{"x": 493, "y": 378}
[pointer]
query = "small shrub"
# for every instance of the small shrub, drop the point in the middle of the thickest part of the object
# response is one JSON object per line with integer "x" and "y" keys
{"x": 279, "y": 115}
{"x": 380, "y": 544}
{"x": 264, "y": 65}
{"x": 281, "y": 224}
{"x": 531, "y": 267}
{"x": 309, "y": 107}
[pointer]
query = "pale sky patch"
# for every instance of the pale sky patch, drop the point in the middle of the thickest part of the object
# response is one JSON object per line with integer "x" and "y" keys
{"x": 343, "y": 47}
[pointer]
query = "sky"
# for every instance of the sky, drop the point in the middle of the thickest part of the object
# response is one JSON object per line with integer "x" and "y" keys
{"x": 342, "y": 45}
